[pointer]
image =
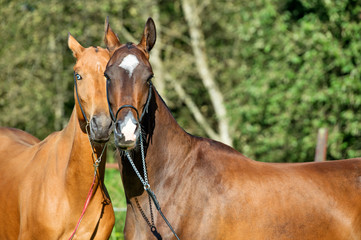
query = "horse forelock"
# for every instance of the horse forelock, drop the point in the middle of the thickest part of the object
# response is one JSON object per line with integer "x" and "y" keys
{"x": 129, "y": 45}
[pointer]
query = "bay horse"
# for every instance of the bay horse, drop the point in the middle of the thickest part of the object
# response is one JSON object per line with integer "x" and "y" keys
{"x": 208, "y": 190}
{"x": 44, "y": 184}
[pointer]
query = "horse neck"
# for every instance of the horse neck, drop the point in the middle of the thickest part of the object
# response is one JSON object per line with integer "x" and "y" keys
{"x": 76, "y": 150}
{"x": 169, "y": 143}
{"x": 166, "y": 145}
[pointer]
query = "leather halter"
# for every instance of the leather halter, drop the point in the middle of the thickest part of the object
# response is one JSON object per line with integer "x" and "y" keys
{"x": 145, "y": 109}
{"x": 96, "y": 162}
{"x": 144, "y": 180}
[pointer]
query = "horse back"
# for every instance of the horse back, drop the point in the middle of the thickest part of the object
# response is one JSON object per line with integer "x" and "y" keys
{"x": 13, "y": 136}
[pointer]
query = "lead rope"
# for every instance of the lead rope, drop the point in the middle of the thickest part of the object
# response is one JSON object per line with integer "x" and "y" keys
{"x": 90, "y": 193}
{"x": 147, "y": 187}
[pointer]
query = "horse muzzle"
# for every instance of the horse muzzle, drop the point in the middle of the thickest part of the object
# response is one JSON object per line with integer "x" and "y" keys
{"x": 101, "y": 127}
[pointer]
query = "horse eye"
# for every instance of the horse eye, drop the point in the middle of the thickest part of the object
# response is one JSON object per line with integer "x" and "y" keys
{"x": 78, "y": 77}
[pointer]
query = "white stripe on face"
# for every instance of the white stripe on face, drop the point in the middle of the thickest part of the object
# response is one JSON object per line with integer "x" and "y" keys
{"x": 129, "y": 63}
{"x": 128, "y": 128}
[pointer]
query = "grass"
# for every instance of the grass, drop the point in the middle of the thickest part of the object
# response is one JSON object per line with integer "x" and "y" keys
{"x": 114, "y": 185}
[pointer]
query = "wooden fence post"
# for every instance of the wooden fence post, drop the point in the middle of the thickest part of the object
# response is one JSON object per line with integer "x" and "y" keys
{"x": 111, "y": 166}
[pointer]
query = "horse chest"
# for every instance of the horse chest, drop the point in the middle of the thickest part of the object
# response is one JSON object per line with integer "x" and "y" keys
{"x": 53, "y": 214}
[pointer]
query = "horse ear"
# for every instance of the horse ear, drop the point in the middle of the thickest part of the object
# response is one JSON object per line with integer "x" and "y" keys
{"x": 149, "y": 36}
{"x": 110, "y": 38}
{"x": 74, "y": 46}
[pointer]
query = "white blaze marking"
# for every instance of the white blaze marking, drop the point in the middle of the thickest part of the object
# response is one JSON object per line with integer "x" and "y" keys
{"x": 129, "y": 130}
{"x": 129, "y": 63}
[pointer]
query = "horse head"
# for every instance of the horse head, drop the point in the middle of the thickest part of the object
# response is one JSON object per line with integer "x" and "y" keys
{"x": 129, "y": 86}
{"x": 90, "y": 90}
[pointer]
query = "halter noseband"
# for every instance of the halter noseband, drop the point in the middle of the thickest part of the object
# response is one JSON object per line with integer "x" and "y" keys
{"x": 145, "y": 109}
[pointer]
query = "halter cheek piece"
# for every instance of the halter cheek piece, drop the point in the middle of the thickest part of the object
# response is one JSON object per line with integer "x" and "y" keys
{"x": 77, "y": 97}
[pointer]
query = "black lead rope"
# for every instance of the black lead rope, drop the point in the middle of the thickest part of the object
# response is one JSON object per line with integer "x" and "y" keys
{"x": 156, "y": 203}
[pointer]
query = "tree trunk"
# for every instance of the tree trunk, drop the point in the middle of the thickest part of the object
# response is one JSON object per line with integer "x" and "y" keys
{"x": 198, "y": 46}
{"x": 161, "y": 77}
{"x": 60, "y": 89}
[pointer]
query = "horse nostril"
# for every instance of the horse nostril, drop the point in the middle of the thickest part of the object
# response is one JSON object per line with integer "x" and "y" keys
{"x": 118, "y": 128}
{"x": 93, "y": 124}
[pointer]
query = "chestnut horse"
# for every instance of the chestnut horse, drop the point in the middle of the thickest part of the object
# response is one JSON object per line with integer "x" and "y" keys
{"x": 44, "y": 185}
{"x": 208, "y": 190}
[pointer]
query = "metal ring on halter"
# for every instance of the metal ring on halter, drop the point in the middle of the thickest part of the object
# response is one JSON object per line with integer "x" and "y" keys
{"x": 146, "y": 186}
